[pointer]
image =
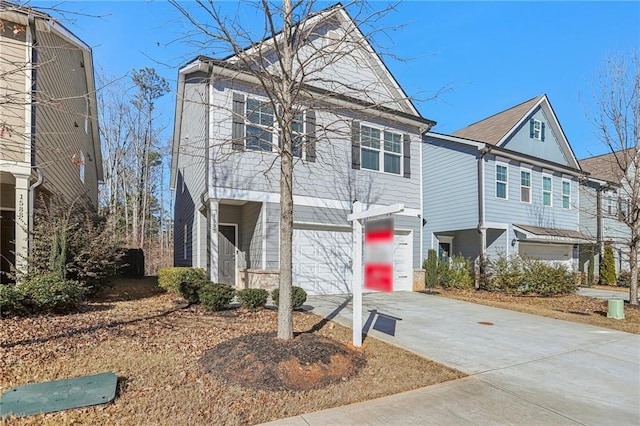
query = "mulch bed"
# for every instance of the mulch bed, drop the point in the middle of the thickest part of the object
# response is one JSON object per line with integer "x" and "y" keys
{"x": 262, "y": 361}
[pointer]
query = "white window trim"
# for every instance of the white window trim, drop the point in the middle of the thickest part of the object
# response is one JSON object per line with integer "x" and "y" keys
{"x": 530, "y": 185}
{"x": 381, "y": 151}
{"x": 274, "y": 130}
{"x": 538, "y": 129}
{"x": 506, "y": 183}
{"x": 569, "y": 195}
{"x": 550, "y": 192}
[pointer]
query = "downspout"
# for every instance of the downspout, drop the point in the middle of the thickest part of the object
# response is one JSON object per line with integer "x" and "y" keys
{"x": 481, "y": 213}
{"x": 207, "y": 135}
{"x": 40, "y": 180}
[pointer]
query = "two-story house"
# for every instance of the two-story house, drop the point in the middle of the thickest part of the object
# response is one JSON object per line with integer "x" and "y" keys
{"x": 505, "y": 185}
{"x": 358, "y": 137}
{"x": 606, "y": 200}
{"x": 49, "y": 142}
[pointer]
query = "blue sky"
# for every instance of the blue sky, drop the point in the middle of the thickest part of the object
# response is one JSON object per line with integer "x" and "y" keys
{"x": 489, "y": 55}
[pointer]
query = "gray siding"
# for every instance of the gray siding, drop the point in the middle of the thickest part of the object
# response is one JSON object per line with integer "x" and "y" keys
{"x": 60, "y": 120}
{"x": 325, "y": 216}
{"x": 273, "y": 235}
{"x": 413, "y": 224}
{"x": 191, "y": 182}
{"x": 512, "y": 210}
{"x": 251, "y": 231}
{"x": 588, "y": 209}
{"x": 450, "y": 189}
{"x": 330, "y": 177}
{"x": 549, "y": 149}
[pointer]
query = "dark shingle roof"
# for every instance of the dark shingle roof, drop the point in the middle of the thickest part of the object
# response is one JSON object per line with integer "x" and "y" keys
{"x": 492, "y": 129}
{"x": 610, "y": 166}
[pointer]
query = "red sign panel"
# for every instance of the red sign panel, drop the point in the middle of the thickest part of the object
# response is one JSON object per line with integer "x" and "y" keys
{"x": 378, "y": 267}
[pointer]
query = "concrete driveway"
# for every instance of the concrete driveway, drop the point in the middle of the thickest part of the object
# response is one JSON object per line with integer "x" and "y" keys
{"x": 524, "y": 369}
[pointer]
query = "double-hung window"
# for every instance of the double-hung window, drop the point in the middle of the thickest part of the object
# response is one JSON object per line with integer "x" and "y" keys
{"x": 611, "y": 206}
{"x": 566, "y": 194}
{"x": 297, "y": 132}
{"x": 525, "y": 186}
{"x": 259, "y": 129}
{"x": 547, "y": 191}
{"x": 381, "y": 150}
{"x": 501, "y": 181}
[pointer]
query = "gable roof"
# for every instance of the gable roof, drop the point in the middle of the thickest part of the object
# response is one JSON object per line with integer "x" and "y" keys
{"x": 609, "y": 167}
{"x": 338, "y": 14}
{"x": 493, "y": 129}
{"x": 499, "y": 128}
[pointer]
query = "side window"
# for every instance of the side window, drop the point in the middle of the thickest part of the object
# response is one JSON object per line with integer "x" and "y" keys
{"x": 501, "y": 181}
{"x": 547, "y": 191}
{"x": 525, "y": 186}
{"x": 566, "y": 194}
{"x": 536, "y": 129}
{"x": 259, "y": 128}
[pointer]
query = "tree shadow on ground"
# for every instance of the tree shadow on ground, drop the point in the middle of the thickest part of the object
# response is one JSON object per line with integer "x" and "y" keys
{"x": 128, "y": 289}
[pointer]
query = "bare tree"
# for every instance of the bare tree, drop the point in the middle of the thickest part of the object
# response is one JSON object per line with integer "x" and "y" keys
{"x": 288, "y": 60}
{"x": 618, "y": 126}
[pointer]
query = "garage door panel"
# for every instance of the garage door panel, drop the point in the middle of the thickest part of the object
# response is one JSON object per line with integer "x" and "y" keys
{"x": 322, "y": 261}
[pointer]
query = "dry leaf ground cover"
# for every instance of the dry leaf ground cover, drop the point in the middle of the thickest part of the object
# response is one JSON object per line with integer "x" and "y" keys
{"x": 571, "y": 308}
{"x": 155, "y": 344}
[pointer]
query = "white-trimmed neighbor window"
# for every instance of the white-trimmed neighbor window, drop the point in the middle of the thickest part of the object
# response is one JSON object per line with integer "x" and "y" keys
{"x": 547, "y": 191}
{"x": 525, "y": 186}
{"x": 536, "y": 129}
{"x": 259, "y": 129}
{"x": 381, "y": 150}
{"x": 566, "y": 194}
{"x": 623, "y": 209}
{"x": 502, "y": 184}
{"x": 184, "y": 242}
{"x": 611, "y": 206}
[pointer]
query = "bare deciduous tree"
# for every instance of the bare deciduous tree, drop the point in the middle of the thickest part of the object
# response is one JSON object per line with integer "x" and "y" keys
{"x": 617, "y": 121}
{"x": 289, "y": 59}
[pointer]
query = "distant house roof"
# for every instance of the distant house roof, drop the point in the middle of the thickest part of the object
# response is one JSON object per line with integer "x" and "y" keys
{"x": 610, "y": 166}
{"x": 492, "y": 130}
{"x": 541, "y": 233}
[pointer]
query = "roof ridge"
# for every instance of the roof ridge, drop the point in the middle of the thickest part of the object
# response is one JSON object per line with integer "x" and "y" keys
{"x": 501, "y": 112}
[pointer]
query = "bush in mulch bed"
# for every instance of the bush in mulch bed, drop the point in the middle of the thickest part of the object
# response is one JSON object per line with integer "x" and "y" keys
{"x": 262, "y": 361}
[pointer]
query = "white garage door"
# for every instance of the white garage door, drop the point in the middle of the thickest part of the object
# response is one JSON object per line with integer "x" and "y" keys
{"x": 552, "y": 253}
{"x": 322, "y": 261}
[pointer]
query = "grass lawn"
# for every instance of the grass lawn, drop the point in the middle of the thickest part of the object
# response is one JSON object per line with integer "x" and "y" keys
{"x": 575, "y": 308}
{"x": 154, "y": 344}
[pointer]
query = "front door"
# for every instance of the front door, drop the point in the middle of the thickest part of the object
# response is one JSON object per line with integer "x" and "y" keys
{"x": 227, "y": 254}
{"x": 7, "y": 243}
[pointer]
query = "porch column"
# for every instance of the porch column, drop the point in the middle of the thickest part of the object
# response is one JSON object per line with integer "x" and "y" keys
{"x": 22, "y": 222}
{"x": 213, "y": 239}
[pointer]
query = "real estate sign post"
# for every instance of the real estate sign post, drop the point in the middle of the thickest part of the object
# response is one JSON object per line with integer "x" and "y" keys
{"x": 356, "y": 217}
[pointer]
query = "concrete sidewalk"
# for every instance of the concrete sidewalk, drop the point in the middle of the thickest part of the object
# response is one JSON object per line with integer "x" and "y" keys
{"x": 604, "y": 294}
{"x": 524, "y": 369}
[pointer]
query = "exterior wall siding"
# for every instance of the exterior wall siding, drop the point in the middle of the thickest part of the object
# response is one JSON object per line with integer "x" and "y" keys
{"x": 449, "y": 173}
{"x": 549, "y": 149}
{"x": 12, "y": 89}
{"x": 535, "y": 214}
{"x": 191, "y": 171}
{"x": 61, "y": 133}
{"x": 330, "y": 177}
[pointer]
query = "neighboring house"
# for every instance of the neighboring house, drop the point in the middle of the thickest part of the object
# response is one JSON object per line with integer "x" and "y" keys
{"x": 49, "y": 141}
{"x": 225, "y": 167}
{"x": 605, "y": 200}
{"x": 505, "y": 185}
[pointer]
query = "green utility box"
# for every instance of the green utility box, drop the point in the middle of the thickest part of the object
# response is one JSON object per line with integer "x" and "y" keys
{"x": 615, "y": 309}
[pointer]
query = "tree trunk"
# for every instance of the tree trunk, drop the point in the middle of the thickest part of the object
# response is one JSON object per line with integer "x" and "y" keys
{"x": 633, "y": 266}
{"x": 285, "y": 310}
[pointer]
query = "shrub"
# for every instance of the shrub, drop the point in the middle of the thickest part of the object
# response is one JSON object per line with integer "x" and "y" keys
{"x": 215, "y": 296}
{"x": 11, "y": 300}
{"x": 253, "y": 298}
{"x": 430, "y": 266}
{"x": 171, "y": 278}
{"x": 50, "y": 293}
{"x": 624, "y": 279}
{"x": 590, "y": 270}
{"x": 459, "y": 273}
{"x": 189, "y": 289}
{"x": 548, "y": 280}
{"x": 298, "y": 296}
{"x": 502, "y": 274}
{"x": 608, "y": 267}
